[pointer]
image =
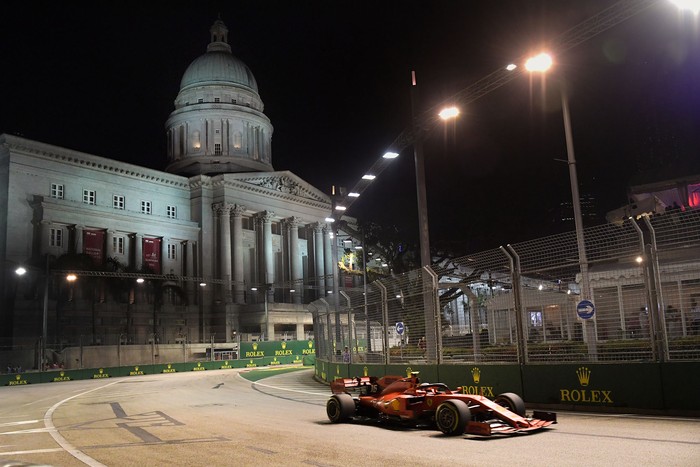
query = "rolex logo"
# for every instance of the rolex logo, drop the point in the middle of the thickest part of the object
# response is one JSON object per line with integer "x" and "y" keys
{"x": 62, "y": 374}
{"x": 408, "y": 372}
{"x": 284, "y": 345}
{"x": 365, "y": 371}
{"x": 476, "y": 375}
{"x": 18, "y": 377}
{"x": 255, "y": 346}
{"x": 101, "y": 371}
{"x": 136, "y": 368}
{"x": 311, "y": 344}
{"x": 584, "y": 376}
{"x": 170, "y": 365}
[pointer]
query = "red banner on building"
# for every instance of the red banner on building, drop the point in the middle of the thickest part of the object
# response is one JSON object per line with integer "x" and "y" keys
{"x": 151, "y": 253}
{"x": 94, "y": 245}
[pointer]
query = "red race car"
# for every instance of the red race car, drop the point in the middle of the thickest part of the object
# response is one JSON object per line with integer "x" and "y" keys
{"x": 407, "y": 400}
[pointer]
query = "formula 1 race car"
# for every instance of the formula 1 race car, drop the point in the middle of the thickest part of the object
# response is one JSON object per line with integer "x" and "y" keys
{"x": 406, "y": 400}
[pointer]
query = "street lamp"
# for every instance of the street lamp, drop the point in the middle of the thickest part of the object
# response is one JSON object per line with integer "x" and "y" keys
{"x": 266, "y": 288}
{"x": 423, "y": 230}
{"x": 541, "y": 63}
{"x": 20, "y": 271}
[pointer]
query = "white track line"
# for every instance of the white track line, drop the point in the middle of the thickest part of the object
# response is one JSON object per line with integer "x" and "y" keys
{"x": 69, "y": 448}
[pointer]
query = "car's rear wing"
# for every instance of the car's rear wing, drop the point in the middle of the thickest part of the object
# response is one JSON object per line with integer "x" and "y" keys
{"x": 359, "y": 383}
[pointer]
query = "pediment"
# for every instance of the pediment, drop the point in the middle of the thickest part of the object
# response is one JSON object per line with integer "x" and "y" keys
{"x": 277, "y": 183}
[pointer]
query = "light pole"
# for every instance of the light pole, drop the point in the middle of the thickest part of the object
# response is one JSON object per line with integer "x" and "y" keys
{"x": 20, "y": 271}
{"x": 423, "y": 229}
{"x": 540, "y": 64}
{"x": 267, "y": 317}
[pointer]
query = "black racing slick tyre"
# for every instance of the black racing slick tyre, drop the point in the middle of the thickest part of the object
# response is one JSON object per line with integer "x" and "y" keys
{"x": 340, "y": 408}
{"x": 512, "y": 402}
{"x": 452, "y": 416}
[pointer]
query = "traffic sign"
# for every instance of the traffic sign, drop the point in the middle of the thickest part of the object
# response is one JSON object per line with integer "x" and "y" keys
{"x": 399, "y": 328}
{"x": 585, "y": 309}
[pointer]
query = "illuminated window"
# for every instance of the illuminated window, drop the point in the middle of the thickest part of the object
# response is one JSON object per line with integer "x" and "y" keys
{"x": 118, "y": 245}
{"x": 57, "y": 190}
{"x": 146, "y": 207}
{"x": 118, "y": 201}
{"x": 89, "y": 196}
{"x": 171, "y": 212}
{"x": 56, "y": 237}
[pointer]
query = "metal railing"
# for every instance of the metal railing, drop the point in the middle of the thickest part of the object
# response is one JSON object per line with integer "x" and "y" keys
{"x": 520, "y": 303}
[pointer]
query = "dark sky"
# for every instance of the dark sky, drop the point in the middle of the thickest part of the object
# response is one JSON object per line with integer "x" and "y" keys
{"x": 101, "y": 77}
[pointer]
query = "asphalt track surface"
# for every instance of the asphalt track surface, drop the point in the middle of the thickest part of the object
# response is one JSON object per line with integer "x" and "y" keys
{"x": 218, "y": 418}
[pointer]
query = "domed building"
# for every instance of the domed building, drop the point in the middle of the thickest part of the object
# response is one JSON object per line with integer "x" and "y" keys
{"x": 218, "y": 124}
{"x": 228, "y": 247}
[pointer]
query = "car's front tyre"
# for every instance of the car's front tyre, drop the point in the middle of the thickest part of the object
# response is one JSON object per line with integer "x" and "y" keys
{"x": 452, "y": 416}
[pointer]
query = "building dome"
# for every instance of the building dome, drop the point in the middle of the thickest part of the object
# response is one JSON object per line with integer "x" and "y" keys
{"x": 218, "y": 67}
{"x": 218, "y": 125}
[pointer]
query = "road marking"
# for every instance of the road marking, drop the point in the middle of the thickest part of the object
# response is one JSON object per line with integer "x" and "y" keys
{"x": 23, "y": 422}
{"x": 63, "y": 442}
{"x": 34, "y": 451}
{"x": 258, "y": 383}
{"x": 21, "y": 432}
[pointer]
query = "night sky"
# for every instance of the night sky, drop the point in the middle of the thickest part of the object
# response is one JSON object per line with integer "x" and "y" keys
{"x": 101, "y": 77}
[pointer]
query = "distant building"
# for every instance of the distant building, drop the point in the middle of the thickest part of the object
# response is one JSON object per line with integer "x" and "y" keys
{"x": 589, "y": 210}
{"x": 219, "y": 222}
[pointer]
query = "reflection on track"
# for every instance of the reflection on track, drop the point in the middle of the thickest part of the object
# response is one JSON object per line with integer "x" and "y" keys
{"x": 298, "y": 386}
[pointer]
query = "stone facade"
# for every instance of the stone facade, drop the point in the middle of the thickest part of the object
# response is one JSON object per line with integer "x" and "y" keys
{"x": 217, "y": 224}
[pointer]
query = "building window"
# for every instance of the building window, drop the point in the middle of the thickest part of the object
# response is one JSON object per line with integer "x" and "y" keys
{"x": 57, "y": 190}
{"x": 172, "y": 212}
{"x": 56, "y": 237}
{"x": 200, "y": 101}
{"x": 89, "y": 196}
{"x": 146, "y": 207}
{"x": 172, "y": 251}
{"x": 217, "y": 149}
{"x": 216, "y": 99}
{"x": 118, "y": 245}
{"x": 118, "y": 201}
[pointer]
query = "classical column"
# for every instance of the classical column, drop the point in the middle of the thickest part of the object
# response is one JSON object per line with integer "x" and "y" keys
{"x": 79, "y": 238}
{"x": 268, "y": 260}
{"x": 293, "y": 224}
{"x": 138, "y": 248}
{"x": 223, "y": 210}
{"x": 45, "y": 236}
{"x": 318, "y": 256}
{"x": 328, "y": 257}
{"x": 109, "y": 247}
{"x": 238, "y": 273}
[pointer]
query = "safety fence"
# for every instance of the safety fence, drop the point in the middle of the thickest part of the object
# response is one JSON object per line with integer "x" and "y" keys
{"x": 634, "y": 297}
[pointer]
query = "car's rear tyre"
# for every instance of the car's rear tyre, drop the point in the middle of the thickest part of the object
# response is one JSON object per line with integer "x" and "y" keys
{"x": 340, "y": 408}
{"x": 452, "y": 416}
{"x": 512, "y": 402}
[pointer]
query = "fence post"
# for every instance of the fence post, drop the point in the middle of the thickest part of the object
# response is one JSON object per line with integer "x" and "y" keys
{"x": 657, "y": 313}
{"x": 521, "y": 342}
{"x": 385, "y": 317}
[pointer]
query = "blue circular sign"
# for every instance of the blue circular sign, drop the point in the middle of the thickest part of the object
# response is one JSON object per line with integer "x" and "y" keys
{"x": 399, "y": 328}
{"x": 585, "y": 309}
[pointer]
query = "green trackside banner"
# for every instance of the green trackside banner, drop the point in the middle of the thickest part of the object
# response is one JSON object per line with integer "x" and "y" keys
{"x": 276, "y": 349}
